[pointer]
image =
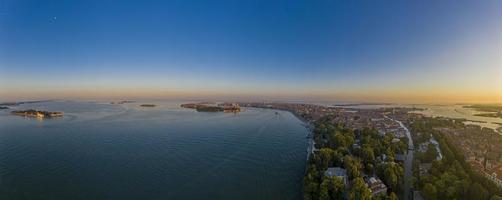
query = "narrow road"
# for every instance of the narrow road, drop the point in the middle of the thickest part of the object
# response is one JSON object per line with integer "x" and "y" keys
{"x": 408, "y": 162}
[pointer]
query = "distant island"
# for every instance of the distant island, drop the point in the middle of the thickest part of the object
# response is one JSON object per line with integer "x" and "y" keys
{"x": 203, "y": 107}
{"x": 3, "y": 107}
{"x": 22, "y": 102}
{"x": 494, "y": 115}
{"x": 121, "y": 102}
{"x": 494, "y": 111}
{"x": 37, "y": 113}
{"x": 148, "y": 105}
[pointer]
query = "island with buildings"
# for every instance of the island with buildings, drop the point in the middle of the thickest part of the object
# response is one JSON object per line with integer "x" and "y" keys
{"x": 212, "y": 107}
{"x": 37, "y": 113}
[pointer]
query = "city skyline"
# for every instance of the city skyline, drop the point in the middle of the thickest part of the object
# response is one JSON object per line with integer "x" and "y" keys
{"x": 403, "y": 52}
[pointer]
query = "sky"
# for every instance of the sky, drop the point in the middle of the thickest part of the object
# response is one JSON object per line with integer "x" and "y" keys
{"x": 343, "y": 51}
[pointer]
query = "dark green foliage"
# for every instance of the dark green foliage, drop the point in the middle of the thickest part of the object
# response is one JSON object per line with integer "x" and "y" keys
{"x": 331, "y": 189}
{"x": 495, "y": 197}
{"x": 353, "y": 167}
{"x": 477, "y": 191}
{"x": 429, "y": 192}
{"x": 392, "y": 175}
{"x": 338, "y": 148}
{"x": 311, "y": 183}
{"x": 359, "y": 190}
{"x": 428, "y": 156}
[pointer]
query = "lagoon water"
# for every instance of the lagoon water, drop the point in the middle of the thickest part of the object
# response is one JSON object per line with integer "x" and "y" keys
{"x": 103, "y": 151}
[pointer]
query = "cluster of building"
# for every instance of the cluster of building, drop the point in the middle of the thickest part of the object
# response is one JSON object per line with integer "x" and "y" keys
{"x": 37, "y": 113}
{"x": 352, "y": 119}
{"x": 230, "y": 107}
{"x": 488, "y": 168}
{"x": 389, "y": 126}
{"x": 423, "y": 147}
{"x": 348, "y": 117}
{"x": 482, "y": 151}
{"x": 375, "y": 118}
{"x": 307, "y": 112}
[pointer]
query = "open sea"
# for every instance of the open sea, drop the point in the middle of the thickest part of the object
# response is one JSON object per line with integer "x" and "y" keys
{"x": 103, "y": 151}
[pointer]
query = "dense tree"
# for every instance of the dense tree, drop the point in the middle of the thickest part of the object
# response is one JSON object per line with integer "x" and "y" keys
{"x": 393, "y": 196}
{"x": 476, "y": 191}
{"x": 337, "y": 159}
{"x": 370, "y": 168}
{"x": 341, "y": 139}
{"x": 337, "y": 188}
{"x": 359, "y": 190}
{"x": 392, "y": 174}
{"x": 429, "y": 155}
{"x": 323, "y": 190}
{"x": 310, "y": 184}
{"x": 353, "y": 167}
{"x": 327, "y": 155}
{"x": 368, "y": 155}
{"x": 429, "y": 192}
{"x": 495, "y": 197}
{"x": 331, "y": 189}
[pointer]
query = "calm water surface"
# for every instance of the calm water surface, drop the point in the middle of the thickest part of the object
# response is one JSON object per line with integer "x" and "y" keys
{"x": 103, "y": 151}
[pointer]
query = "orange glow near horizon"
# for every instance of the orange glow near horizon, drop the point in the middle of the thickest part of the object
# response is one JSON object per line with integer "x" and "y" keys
{"x": 389, "y": 96}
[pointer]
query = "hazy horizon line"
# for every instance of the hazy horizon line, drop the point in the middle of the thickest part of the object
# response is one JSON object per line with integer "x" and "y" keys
{"x": 241, "y": 99}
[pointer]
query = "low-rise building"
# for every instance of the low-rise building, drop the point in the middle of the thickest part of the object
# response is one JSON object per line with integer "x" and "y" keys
{"x": 338, "y": 172}
{"x": 493, "y": 177}
{"x": 376, "y": 186}
{"x": 424, "y": 168}
{"x": 400, "y": 158}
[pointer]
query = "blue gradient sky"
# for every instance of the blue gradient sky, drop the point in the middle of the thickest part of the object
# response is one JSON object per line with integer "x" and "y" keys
{"x": 399, "y": 51}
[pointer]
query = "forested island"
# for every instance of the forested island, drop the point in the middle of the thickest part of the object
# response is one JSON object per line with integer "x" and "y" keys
{"x": 37, "y": 113}
{"x": 148, "y": 105}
